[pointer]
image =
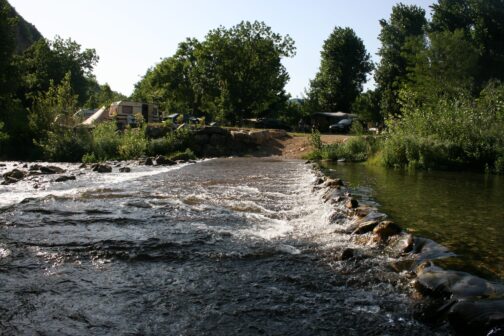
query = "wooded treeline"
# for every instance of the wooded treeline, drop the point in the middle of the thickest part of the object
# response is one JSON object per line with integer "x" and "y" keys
{"x": 438, "y": 82}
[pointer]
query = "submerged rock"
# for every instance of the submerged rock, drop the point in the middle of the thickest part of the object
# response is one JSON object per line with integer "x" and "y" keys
{"x": 481, "y": 317}
{"x": 65, "y": 178}
{"x": 334, "y": 183}
{"x": 125, "y": 169}
{"x": 347, "y": 253}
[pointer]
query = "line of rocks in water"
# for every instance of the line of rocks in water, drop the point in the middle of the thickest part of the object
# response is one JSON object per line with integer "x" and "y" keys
{"x": 471, "y": 305}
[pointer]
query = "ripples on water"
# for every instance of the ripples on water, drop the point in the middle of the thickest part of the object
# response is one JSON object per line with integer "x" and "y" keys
{"x": 220, "y": 247}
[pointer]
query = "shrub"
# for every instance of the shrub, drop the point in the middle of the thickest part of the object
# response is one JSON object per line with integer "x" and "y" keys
{"x": 174, "y": 141}
{"x": 66, "y": 145}
{"x": 106, "y": 141}
{"x": 449, "y": 133}
{"x": 132, "y": 143}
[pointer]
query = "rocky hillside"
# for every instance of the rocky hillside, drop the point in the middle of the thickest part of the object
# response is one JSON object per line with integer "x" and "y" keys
{"x": 26, "y": 33}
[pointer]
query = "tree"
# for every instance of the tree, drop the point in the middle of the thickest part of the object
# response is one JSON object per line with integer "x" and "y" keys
{"x": 442, "y": 66}
{"x": 483, "y": 24}
{"x": 241, "y": 71}
{"x": 405, "y": 23}
{"x": 367, "y": 107}
{"x": 344, "y": 66}
{"x": 47, "y": 61}
{"x": 172, "y": 83}
{"x": 233, "y": 74}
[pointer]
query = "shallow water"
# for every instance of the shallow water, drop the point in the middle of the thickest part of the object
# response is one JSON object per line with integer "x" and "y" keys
{"x": 462, "y": 211}
{"x": 220, "y": 247}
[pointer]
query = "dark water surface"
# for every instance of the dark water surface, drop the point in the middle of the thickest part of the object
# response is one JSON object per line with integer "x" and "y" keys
{"x": 462, "y": 211}
{"x": 220, "y": 247}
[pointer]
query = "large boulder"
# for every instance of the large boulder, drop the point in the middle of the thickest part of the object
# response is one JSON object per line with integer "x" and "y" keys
{"x": 14, "y": 176}
{"x": 365, "y": 227}
{"x": 164, "y": 161}
{"x": 241, "y": 137}
{"x": 259, "y": 137}
{"x": 386, "y": 229}
{"x": 435, "y": 281}
{"x": 351, "y": 203}
{"x": 51, "y": 170}
{"x": 102, "y": 168}
{"x": 478, "y": 317}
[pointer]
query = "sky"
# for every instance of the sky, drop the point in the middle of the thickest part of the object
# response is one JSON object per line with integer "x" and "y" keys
{"x": 131, "y": 36}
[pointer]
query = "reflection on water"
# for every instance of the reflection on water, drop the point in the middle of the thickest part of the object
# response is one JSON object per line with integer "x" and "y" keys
{"x": 463, "y": 211}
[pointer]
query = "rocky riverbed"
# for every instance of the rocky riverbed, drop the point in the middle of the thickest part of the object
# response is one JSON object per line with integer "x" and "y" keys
{"x": 223, "y": 246}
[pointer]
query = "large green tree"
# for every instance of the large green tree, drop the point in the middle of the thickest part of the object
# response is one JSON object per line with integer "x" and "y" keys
{"x": 405, "y": 23}
{"x": 47, "y": 61}
{"x": 344, "y": 66}
{"x": 482, "y": 22}
{"x": 172, "y": 83}
{"x": 444, "y": 65}
{"x": 234, "y": 73}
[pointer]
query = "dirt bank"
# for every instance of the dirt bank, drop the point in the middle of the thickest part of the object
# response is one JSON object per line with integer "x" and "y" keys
{"x": 295, "y": 146}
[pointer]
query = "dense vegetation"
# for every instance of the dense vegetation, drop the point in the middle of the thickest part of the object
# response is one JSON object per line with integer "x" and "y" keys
{"x": 438, "y": 88}
{"x": 231, "y": 75}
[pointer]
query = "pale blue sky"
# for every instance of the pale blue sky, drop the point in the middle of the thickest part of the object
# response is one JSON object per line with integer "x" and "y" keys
{"x": 131, "y": 35}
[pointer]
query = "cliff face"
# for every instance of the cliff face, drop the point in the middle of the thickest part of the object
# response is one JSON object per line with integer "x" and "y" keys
{"x": 26, "y": 33}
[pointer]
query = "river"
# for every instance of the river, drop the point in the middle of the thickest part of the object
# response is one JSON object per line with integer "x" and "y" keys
{"x": 463, "y": 211}
{"x": 218, "y": 247}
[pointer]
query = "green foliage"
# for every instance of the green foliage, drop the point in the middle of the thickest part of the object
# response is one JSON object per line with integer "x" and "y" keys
{"x": 357, "y": 128}
{"x": 101, "y": 95}
{"x": 367, "y": 107}
{"x": 405, "y": 23}
{"x": 482, "y": 25}
{"x": 233, "y": 74}
{"x": 133, "y": 143}
{"x": 354, "y": 149}
{"x": 51, "y": 118}
{"x": 185, "y": 155}
{"x": 315, "y": 140}
{"x": 49, "y": 61}
{"x": 343, "y": 69}
{"x": 106, "y": 141}
{"x": 448, "y": 133}
{"x": 66, "y": 145}
{"x": 443, "y": 67}
{"x": 174, "y": 141}
{"x": 3, "y": 136}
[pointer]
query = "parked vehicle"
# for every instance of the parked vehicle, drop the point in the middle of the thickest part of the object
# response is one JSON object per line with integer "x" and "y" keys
{"x": 342, "y": 126}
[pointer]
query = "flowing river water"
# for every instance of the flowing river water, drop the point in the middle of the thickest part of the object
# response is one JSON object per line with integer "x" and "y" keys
{"x": 218, "y": 247}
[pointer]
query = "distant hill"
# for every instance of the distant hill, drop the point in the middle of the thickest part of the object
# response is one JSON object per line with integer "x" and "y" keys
{"x": 26, "y": 33}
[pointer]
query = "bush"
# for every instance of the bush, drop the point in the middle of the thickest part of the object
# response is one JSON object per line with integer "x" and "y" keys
{"x": 185, "y": 155}
{"x": 450, "y": 133}
{"x": 174, "y": 141}
{"x": 66, "y": 145}
{"x": 106, "y": 141}
{"x": 353, "y": 149}
{"x": 132, "y": 144}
